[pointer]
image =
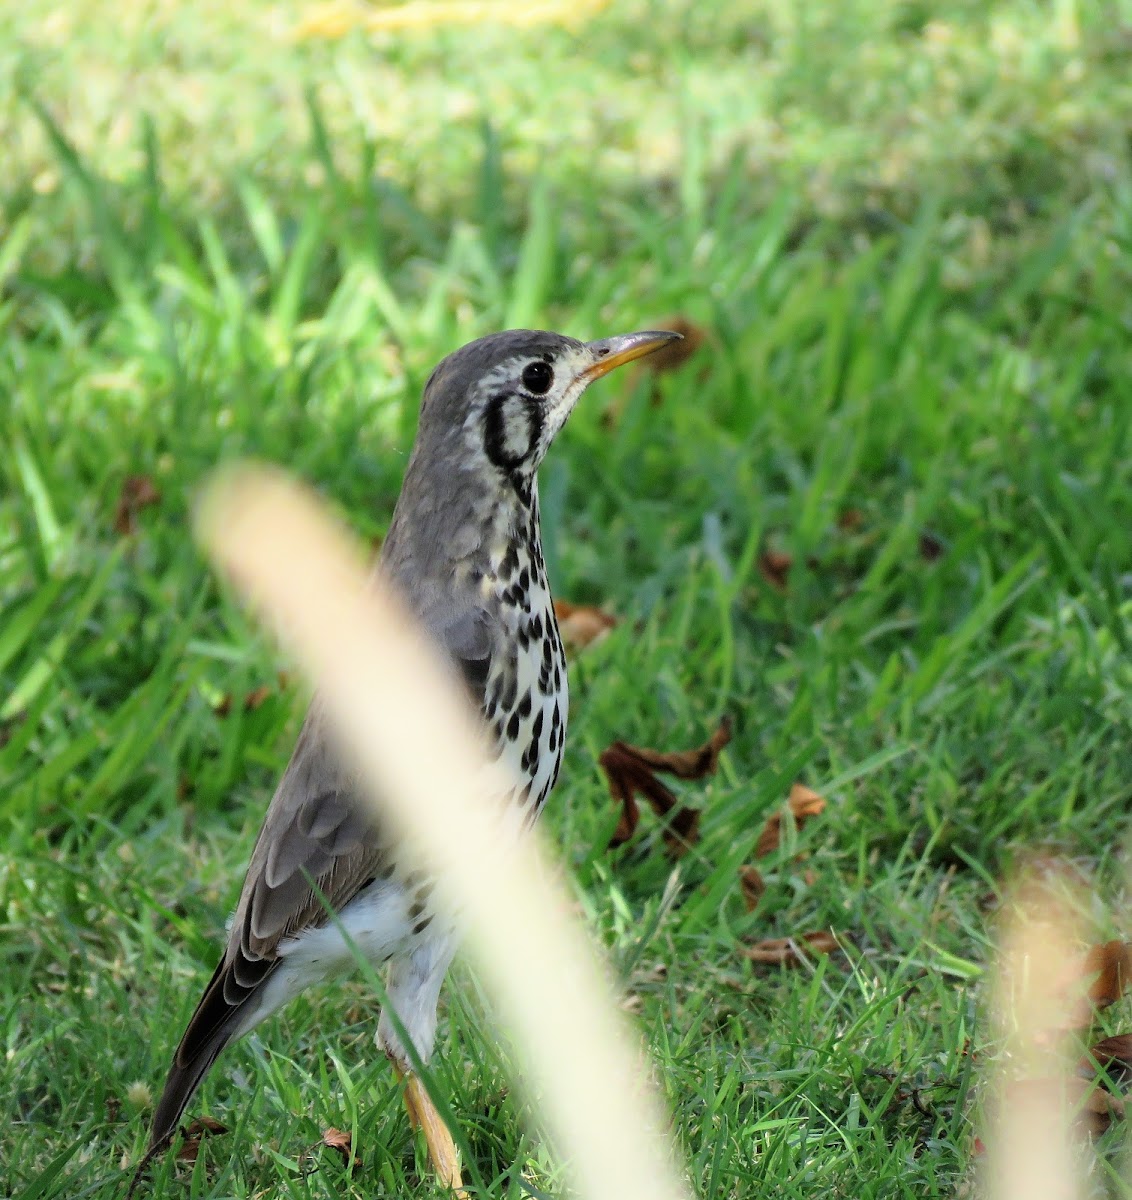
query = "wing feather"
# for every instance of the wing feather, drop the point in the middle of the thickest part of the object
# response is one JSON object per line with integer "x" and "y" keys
{"x": 314, "y": 829}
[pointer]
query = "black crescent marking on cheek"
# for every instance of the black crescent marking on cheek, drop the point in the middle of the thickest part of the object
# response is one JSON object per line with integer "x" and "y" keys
{"x": 534, "y": 425}
{"x": 495, "y": 431}
{"x": 495, "y": 434}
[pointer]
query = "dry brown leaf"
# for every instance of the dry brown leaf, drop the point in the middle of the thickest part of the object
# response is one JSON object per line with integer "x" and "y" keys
{"x": 675, "y": 354}
{"x": 1095, "y": 1107}
{"x": 194, "y": 1134}
{"x": 631, "y": 769}
{"x": 1095, "y": 980}
{"x": 1099, "y": 1109}
{"x": 1112, "y": 1054}
{"x": 1111, "y": 963}
{"x": 792, "y": 951}
{"x": 338, "y": 1139}
{"x": 774, "y": 567}
{"x": 580, "y": 624}
{"x": 753, "y": 886}
{"x": 253, "y": 700}
{"x": 803, "y": 803}
{"x": 138, "y": 492}
{"x": 849, "y": 520}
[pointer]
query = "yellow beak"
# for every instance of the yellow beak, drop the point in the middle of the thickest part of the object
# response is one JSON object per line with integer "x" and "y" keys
{"x": 613, "y": 352}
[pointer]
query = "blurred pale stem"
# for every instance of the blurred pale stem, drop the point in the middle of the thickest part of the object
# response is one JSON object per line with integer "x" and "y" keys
{"x": 1033, "y": 1152}
{"x": 421, "y": 749}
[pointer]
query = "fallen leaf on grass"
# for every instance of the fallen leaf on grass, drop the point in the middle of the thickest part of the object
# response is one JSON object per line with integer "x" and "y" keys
{"x": 256, "y": 697}
{"x": 849, "y": 520}
{"x": 1109, "y": 1053}
{"x": 1111, "y": 963}
{"x": 675, "y": 354}
{"x": 803, "y": 803}
{"x": 338, "y": 1139}
{"x": 792, "y": 951}
{"x": 1099, "y": 1109}
{"x": 631, "y": 769}
{"x": 581, "y": 625}
{"x": 1094, "y": 1107}
{"x": 253, "y": 700}
{"x": 1107, "y": 968}
{"x": 774, "y": 567}
{"x": 753, "y": 886}
{"x": 195, "y": 1133}
{"x": 138, "y": 492}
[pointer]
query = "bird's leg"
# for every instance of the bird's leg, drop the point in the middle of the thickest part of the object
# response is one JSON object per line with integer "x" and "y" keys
{"x": 412, "y": 988}
{"x": 442, "y": 1151}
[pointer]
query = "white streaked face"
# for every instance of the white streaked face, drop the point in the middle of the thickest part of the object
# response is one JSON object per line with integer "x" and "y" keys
{"x": 524, "y": 401}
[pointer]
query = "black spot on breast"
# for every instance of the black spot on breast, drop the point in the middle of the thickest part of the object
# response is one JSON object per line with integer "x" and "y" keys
{"x": 422, "y": 924}
{"x": 536, "y": 728}
{"x": 513, "y": 727}
{"x": 524, "y": 708}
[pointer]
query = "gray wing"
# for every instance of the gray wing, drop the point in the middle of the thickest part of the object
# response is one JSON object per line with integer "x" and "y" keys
{"x": 313, "y": 829}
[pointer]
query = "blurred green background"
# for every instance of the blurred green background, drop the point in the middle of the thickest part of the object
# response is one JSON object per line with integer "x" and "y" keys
{"x": 904, "y": 232}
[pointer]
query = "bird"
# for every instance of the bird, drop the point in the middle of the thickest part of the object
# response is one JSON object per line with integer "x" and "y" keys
{"x": 464, "y": 551}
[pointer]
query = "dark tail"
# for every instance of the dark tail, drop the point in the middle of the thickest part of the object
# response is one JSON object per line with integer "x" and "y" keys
{"x": 180, "y": 1086}
{"x": 215, "y": 1023}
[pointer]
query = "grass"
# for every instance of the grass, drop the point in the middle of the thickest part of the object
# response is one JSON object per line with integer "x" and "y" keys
{"x": 908, "y": 232}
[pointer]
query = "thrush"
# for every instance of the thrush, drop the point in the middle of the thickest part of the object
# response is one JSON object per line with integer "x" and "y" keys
{"x": 464, "y": 550}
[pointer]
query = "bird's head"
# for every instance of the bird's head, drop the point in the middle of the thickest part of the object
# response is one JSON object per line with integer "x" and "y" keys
{"x": 496, "y": 404}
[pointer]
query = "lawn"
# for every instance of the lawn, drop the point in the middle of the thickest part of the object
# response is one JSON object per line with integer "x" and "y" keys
{"x": 882, "y": 518}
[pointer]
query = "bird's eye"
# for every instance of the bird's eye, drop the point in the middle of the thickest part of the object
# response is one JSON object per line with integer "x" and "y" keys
{"x": 537, "y": 378}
